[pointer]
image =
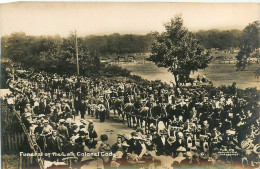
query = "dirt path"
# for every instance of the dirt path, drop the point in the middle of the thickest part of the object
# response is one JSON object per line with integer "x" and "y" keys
{"x": 111, "y": 127}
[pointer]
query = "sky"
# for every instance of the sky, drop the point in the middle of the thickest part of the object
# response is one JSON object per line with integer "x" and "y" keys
{"x": 99, "y": 18}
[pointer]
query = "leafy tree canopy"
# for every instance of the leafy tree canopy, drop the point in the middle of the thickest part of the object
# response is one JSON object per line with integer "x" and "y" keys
{"x": 178, "y": 50}
{"x": 249, "y": 45}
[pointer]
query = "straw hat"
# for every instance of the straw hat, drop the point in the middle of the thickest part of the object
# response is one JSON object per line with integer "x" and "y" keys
{"x": 61, "y": 120}
{"x": 125, "y": 144}
{"x": 181, "y": 149}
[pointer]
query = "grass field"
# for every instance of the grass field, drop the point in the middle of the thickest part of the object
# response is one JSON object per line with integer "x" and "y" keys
{"x": 219, "y": 74}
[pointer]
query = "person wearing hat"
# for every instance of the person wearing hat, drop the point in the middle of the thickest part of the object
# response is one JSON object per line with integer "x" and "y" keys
{"x": 92, "y": 132}
{"x": 48, "y": 109}
{"x": 47, "y": 129}
{"x": 28, "y": 109}
{"x": 134, "y": 144}
{"x": 144, "y": 149}
{"x": 70, "y": 146}
{"x": 54, "y": 116}
{"x": 125, "y": 153}
{"x": 82, "y": 108}
{"x": 68, "y": 114}
{"x": 54, "y": 144}
{"x": 205, "y": 127}
{"x": 161, "y": 142}
{"x": 179, "y": 143}
{"x": 10, "y": 101}
{"x": 149, "y": 143}
{"x": 38, "y": 129}
{"x": 107, "y": 103}
{"x": 32, "y": 127}
{"x": 76, "y": 104}
{"x": 170, "y": 148}
{"x": 22, "y": 104}
{"x": 102, "y": 111}
{"x": 118, "y": 145}
{"x": 42, "y": 106}
{"x": 62, "y": 131}
{"x": 69, "y": 124}
{"x": 26, "y": 118}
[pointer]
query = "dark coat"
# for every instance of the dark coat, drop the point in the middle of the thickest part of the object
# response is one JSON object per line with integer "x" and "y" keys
{"x": 162, "y": 149}
{"x": 134, "y": 146}
{"x": 54, "y": 145}
{"x": 177, "y": 144}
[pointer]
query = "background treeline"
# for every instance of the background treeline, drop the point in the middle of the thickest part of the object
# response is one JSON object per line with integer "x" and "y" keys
{"x": 219, "y": 39}
{"x": 54, "y": 54}
{"x": 58, "y": 54}
{"x": 120, "y": 44}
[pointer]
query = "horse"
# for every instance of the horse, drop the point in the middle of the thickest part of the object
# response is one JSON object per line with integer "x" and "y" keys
{"x": 117, "y": 106}
{"x": 128, "y": 110}
{"x": 144, "y": 112}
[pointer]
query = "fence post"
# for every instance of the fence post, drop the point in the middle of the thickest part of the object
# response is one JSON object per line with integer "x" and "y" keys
{"x": 12, "y": 143}
{"x": 21, "y": 162}
{"x": 31, "y": 160}
{"x": 19, "y": 139}
{"x": 9, "y": 142}
{"x": 16, "y": 142}
{"x": 28, "y": 162}
{"x": 6, "y": 163}
{"x": 22, "y": 137}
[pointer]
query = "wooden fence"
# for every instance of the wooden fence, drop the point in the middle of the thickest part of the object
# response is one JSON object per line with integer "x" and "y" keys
{"x": 21, "y": 163}
{"x": 13, "y": 143}
{"x": 15, "y": 140}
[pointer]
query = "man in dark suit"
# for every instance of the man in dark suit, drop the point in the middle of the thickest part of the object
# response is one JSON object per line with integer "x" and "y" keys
{"x": 42, "y": 106}
{"x": 134, "y": 144}
{"x": 179, "y": 143}
{"x": 54, "y": 144}
{"x": 82, "y": 108}
{"x": 63, "y": 132}
{"x": 161, "y": 143}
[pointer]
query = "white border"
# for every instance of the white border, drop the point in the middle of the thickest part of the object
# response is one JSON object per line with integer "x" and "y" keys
{"x": 207, "y": 1}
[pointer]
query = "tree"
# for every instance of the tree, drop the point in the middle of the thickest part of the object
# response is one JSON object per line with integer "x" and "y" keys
{"x": 222, "y": 40}
{"x": 249, "y": 45}
{"x": 49, "y": 53}
{"x": 178, "y": 50}
{"x": 88, "y": 62}
{"x": 16, "y": 46}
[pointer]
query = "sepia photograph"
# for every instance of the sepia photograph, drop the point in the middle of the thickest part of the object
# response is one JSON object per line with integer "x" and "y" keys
{"x": 130, "y": 85}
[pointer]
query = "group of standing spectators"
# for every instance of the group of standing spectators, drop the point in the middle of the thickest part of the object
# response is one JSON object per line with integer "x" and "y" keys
{"x": 192, "y": 125}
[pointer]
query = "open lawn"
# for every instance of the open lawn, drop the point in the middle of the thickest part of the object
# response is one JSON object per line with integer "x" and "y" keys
{"x": 226, "y": 74}
{"x": 219, "y": 74}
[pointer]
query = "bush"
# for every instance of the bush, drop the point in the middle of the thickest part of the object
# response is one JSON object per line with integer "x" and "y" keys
{"x": 112, "y": 70}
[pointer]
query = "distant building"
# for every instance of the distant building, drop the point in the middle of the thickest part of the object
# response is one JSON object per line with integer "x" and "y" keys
{"x": 105, "y": 60}
{"x": 130, "y": 58}
{"x": 121, "y": 59}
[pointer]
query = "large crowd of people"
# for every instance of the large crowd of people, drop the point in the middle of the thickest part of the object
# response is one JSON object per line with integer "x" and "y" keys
{"x": 173, "y": 126}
